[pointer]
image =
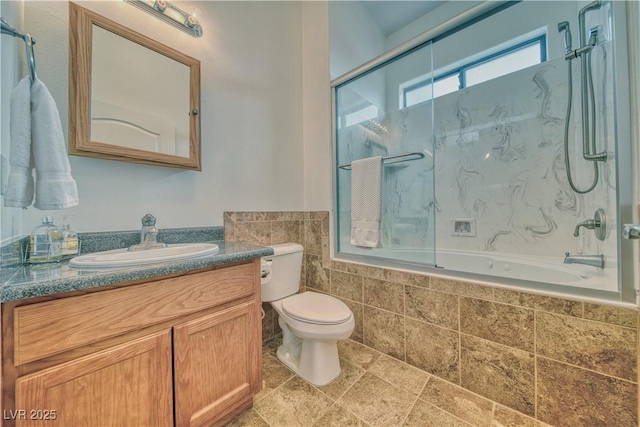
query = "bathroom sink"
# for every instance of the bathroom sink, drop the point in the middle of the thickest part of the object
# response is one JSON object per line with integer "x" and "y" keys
{"x": 125, "y": 258}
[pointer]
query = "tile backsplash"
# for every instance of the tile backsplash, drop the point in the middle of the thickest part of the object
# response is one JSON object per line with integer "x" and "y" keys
{"x": 16, "y": 252}
{"x": 565, "y": 362}
{"x": 102, "y": 241}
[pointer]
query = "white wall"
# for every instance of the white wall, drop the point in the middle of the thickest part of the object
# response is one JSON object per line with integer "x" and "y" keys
{"x": 251, "y": 64}
{"x": 354, "y": 36}
{"x": 316, "y": 106}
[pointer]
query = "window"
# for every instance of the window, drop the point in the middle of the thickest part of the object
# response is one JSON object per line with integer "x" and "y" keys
{"x": 514, "y": 58}
{"x": 364, "y": 114}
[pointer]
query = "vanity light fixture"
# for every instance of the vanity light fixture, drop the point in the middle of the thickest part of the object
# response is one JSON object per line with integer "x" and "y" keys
{"x": 170, "y": 14}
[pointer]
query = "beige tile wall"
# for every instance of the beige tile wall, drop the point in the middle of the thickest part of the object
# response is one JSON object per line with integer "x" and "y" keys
{"x": 565, "y": 362}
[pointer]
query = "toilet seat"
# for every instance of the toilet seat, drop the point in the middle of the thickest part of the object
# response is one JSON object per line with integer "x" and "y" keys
{"x": 315, "y": 308}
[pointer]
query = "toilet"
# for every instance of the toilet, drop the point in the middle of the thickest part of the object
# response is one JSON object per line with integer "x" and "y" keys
{"x": 311, "y": 322}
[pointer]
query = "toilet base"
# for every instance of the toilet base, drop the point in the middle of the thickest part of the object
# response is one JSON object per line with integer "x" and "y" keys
{"x": 315, "y": 361}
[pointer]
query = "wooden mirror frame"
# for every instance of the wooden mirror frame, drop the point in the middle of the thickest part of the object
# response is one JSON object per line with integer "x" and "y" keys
{"x": 81, "y": 23}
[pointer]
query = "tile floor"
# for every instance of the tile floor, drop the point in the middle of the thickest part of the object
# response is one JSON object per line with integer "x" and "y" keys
{"x": 372, "y": 390}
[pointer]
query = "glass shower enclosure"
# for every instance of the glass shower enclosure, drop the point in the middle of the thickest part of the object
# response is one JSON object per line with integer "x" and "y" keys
{"x": 488, "y": 133}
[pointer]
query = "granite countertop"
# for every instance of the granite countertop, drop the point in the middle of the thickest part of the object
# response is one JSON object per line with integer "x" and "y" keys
{"x": 30, "y": 281}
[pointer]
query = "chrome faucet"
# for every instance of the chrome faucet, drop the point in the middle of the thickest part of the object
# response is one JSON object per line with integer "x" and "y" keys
{"x": 148, "y": 235}
{"x": 592, "y": 260}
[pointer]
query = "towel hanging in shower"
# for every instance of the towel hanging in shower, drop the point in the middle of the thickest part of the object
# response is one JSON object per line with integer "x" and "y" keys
{"x": 366, "y": 202}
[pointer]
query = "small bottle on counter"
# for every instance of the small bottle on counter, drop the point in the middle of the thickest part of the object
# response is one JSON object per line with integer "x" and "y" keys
{"x": 45, "y": 242}
{"x": 69, "y": 240}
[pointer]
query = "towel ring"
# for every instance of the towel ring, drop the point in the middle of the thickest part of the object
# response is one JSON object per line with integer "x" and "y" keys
{"x": 29, "y": 41}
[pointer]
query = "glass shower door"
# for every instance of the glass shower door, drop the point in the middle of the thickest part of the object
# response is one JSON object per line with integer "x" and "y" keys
{"x": 388, "y": 112}
{"x": 501, "y": 144}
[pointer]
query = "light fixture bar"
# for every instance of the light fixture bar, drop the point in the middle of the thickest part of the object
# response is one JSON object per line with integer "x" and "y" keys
{"x": 170, "y": 14}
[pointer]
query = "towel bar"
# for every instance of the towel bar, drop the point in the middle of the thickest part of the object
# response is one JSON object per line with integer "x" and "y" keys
{"x": 397, "y": 158}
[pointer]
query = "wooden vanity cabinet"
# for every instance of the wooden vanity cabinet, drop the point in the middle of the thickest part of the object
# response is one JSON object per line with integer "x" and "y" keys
{"x": 213, "y": 367}
{"x": 129, "y": 384}
{"x": 180, "y": 351}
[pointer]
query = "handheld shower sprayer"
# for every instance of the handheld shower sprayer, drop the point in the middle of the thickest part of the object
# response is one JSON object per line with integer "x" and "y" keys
{"x": 564, "y": 26}
{"x": 588, "y": 103}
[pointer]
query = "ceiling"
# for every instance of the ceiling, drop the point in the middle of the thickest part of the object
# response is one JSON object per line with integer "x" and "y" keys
{"x": 391, "y": 15}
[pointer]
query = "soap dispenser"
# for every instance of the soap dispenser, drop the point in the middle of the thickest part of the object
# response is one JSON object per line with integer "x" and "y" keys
{"x": 70, "y": 244}
{"x": 46, "y": 242}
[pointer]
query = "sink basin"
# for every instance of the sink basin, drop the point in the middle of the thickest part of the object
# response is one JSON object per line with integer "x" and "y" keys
{"x": 125, "y": 258}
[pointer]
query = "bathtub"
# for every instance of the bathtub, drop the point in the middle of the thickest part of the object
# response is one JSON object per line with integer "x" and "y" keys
{"x": 533, "y": 268}
{"x": 527, "y": 268}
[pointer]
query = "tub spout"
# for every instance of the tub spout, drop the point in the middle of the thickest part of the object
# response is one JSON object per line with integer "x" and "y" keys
{"x": 592, "y": 260}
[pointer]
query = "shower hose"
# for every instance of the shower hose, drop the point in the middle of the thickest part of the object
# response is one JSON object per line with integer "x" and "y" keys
{"x": 567, "y": 163}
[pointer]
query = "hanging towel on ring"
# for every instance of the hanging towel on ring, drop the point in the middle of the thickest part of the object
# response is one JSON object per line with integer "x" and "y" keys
{"x": 19, "y": 193}
{"x": 366, "y": 202}
{"x": 37, "y": 140}
{"x": 55, "y": 187}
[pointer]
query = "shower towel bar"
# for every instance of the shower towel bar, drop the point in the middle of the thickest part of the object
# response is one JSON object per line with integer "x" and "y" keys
{"x": 29, "y": 41}
{"x": 397, "y": 158}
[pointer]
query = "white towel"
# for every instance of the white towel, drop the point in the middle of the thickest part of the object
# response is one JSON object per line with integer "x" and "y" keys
{"x": 55, "y": 187}
{"x": 366, "y": 202}
{"x": 19, "y": 192}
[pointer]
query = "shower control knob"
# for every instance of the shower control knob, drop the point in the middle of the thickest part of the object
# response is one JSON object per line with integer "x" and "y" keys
{"x": 598, "y": 224}
{"x": 631, "y": 231}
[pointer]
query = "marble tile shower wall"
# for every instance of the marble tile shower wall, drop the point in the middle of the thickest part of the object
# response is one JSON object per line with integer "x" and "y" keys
{"x": 565, "y": 362}
{"x": 497, "y": 159}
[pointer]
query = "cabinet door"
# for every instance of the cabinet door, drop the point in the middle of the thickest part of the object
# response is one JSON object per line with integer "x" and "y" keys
{"x": 217, "y": 365}
{"x": 126, "y": 385}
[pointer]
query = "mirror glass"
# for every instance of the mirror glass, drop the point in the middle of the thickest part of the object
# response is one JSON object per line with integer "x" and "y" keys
{"x": 139, "y": 98}
{"x": 132, "y": 99}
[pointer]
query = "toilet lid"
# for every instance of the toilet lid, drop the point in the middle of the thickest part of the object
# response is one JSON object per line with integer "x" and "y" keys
{"x": 317, "y": 308}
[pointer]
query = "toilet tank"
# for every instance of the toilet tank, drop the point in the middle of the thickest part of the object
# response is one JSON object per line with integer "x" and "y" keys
{"x": 284, "y": 271}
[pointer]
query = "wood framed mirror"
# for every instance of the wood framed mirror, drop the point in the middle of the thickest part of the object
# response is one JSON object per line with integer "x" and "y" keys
{"x": 131, "y": 98}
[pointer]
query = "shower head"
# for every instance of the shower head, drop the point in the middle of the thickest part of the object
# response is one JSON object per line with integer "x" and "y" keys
{"x": 564, "y": 26}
